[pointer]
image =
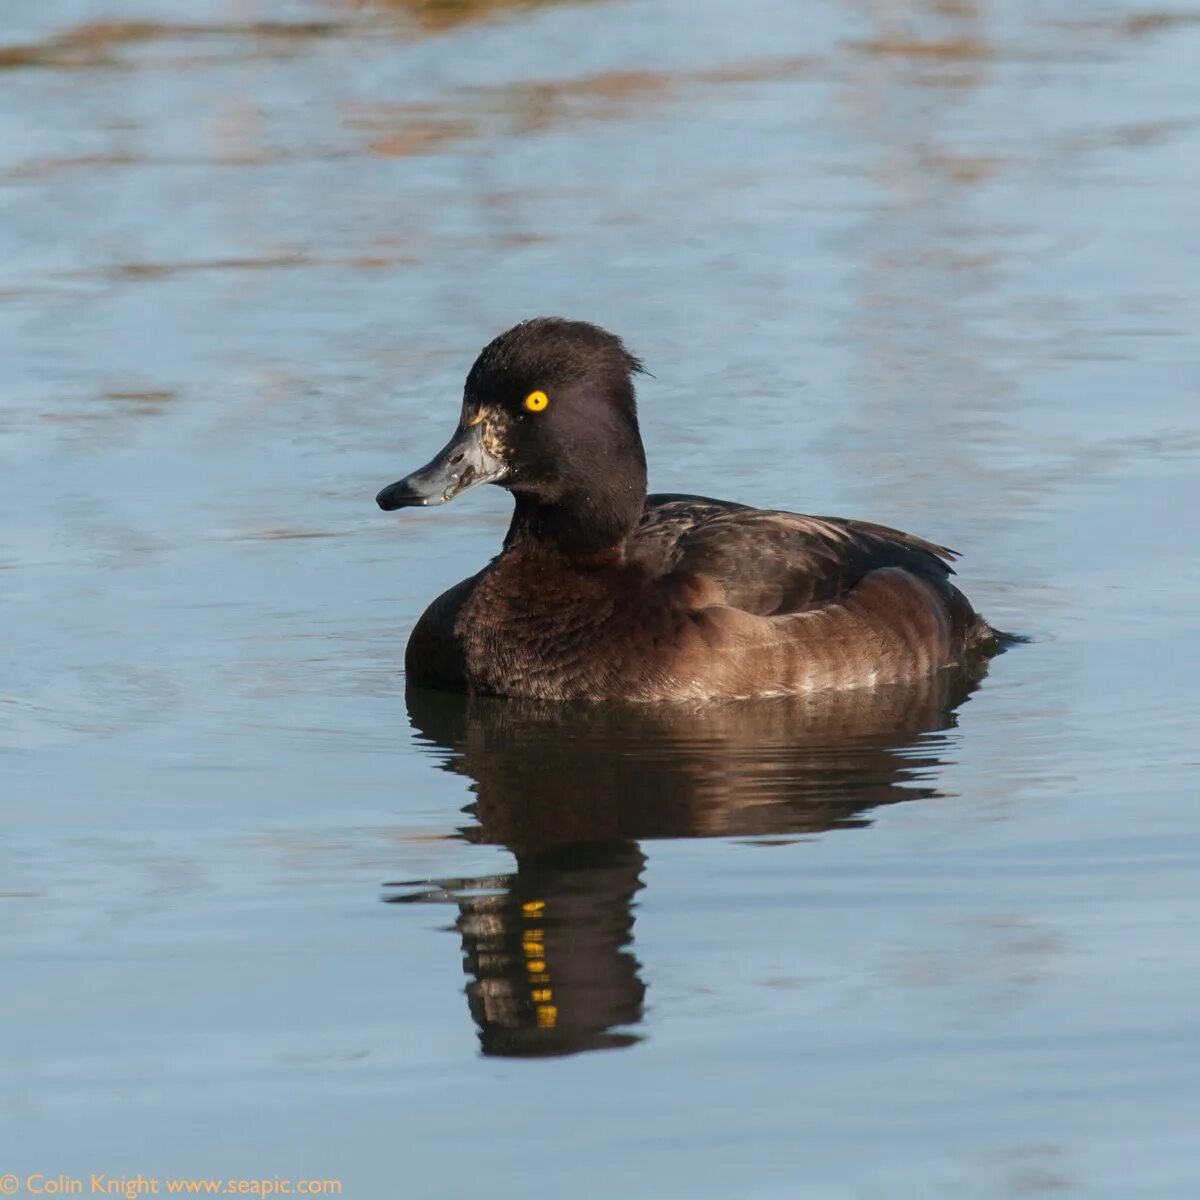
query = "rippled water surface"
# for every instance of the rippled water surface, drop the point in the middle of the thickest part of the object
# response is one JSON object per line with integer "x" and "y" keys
{"x": 261, "y": 914}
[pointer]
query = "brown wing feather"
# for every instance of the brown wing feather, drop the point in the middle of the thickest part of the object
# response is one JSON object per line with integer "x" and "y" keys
{"x": 770, "y": 563}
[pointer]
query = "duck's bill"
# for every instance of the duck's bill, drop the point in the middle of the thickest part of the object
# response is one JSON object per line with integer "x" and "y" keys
{"x": 464, "y": 463}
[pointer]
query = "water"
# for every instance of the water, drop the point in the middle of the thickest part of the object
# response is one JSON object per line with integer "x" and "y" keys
{"x": 926, "y": 263}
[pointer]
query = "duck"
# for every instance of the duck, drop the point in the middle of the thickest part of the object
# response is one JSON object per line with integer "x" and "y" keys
{"x": 603, "y": 592}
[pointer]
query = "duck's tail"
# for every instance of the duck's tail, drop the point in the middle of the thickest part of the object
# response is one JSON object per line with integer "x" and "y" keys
{"x": 987, "y": 639}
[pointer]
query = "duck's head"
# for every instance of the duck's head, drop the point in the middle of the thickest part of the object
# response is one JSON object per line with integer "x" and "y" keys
{"x": 548, "y": 412}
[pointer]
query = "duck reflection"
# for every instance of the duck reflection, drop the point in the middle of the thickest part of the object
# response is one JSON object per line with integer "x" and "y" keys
{"x": 571, "y": 790}
{"x": 546, "y": 949}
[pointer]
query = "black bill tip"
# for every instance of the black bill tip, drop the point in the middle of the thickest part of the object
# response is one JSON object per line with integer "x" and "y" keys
{"x": 401, "y": 495}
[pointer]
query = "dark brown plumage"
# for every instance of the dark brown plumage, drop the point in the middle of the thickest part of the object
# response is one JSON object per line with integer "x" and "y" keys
{"x": 604, "y": 593}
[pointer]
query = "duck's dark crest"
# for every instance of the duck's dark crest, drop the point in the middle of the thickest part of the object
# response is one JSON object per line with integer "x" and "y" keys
{"x": 554, "y": 348}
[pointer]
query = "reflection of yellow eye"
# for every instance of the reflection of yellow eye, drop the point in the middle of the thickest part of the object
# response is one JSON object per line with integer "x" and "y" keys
{"x": 536, "y": 401}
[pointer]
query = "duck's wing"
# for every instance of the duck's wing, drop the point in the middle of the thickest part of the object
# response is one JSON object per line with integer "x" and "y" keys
{"x": 770, "y": 563}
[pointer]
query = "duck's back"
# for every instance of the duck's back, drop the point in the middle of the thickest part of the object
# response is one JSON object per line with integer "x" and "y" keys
{"x": 813, "y": 603}
{"x": 772, "y": 563}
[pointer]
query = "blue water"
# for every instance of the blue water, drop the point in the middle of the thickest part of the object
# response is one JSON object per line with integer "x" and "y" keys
{"x": 931, "y": 264}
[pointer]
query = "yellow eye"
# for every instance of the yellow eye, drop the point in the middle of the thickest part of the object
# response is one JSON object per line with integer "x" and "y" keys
{"x": 536, "y": 401}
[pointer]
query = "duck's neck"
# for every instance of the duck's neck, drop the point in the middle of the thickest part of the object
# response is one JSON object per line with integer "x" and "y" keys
{"x": 580, "y": 523}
